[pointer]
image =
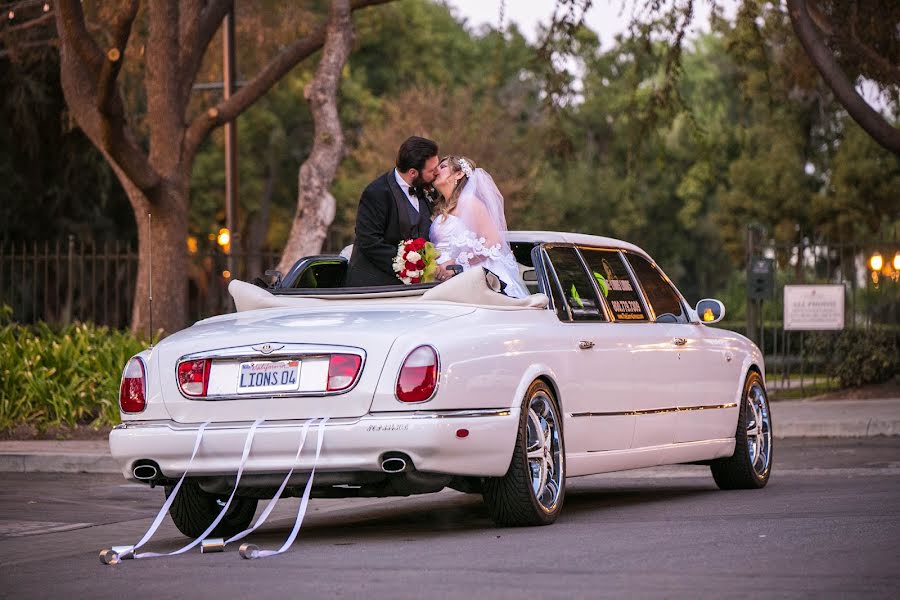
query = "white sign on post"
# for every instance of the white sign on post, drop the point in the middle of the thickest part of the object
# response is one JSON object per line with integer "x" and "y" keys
{"x": 813, "y": 307}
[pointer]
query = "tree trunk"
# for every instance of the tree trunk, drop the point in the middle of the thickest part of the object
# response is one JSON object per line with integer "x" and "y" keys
{"x": 168, "y": 249}
{"x": 258, "y": 222}
{"x": 315, "y": 204}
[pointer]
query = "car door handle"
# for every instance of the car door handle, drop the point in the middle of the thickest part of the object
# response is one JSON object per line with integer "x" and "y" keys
{"x": 680, "y": 341}
{"x": 585, "y": 344}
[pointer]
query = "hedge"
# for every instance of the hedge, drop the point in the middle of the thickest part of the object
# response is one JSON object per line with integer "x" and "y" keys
{"x": 61, "y": 376}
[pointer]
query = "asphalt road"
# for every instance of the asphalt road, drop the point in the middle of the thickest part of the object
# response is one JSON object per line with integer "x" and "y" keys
{"x": 827, "y": 525}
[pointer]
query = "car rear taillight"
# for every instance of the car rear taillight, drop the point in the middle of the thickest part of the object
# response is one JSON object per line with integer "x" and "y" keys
{"x": 342, "y": 371}
{"x": 418, "y": 375}
{"x": 193, "y": 376}
{"x": 132, "y": 390}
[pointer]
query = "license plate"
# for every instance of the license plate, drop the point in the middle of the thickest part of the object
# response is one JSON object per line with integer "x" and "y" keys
{"x": 269, "y": 376}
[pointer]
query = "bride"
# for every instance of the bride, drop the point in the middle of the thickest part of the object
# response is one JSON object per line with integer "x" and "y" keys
{"x": 470, "y": 227}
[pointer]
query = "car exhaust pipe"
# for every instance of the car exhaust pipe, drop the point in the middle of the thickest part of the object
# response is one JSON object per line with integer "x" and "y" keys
{"x": 395, "y": 462}
{"x": 145, "y": 472}
{"x": 393, "y": 465}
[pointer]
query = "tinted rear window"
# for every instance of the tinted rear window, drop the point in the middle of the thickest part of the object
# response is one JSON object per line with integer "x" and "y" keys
{"x": 576, "y": 286}
{"x": 615, "y": 284}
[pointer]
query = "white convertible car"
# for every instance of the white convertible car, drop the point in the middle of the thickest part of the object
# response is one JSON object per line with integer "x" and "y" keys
{"x": 410, "y": 389}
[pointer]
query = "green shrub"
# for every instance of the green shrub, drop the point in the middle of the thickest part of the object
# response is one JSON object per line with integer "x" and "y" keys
{"x": 863, "y": 356}
{"x": 68, "y": 376}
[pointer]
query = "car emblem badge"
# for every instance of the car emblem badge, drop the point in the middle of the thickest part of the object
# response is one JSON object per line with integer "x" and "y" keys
{"x": 267, "y": 348}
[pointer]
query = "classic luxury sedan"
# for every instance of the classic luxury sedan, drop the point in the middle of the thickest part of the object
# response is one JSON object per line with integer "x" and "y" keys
{"x": 410, "y": 389}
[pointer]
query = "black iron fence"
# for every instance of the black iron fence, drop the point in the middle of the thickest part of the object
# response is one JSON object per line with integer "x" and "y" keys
{"x": 810, "y": 360}
{"x": 72, "y": 280}
{"x": 83, "y": 280}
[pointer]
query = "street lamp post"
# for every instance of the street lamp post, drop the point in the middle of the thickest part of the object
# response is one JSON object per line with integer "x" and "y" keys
{"x": 231, "y": 171}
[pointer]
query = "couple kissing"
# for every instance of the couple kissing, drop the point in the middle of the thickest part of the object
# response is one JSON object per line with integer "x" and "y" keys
{"x": 447, "y": 201}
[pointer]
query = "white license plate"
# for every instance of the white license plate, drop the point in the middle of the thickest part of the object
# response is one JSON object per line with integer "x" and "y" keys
{"x": 269, "y": 376}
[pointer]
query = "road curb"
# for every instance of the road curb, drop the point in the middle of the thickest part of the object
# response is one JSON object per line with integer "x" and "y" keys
{"x": 13, "y": 462}
{"x": 44, "y": 462}
{"x": 836, "y": 418}
{"x": 790, "y": 419}
{"x": 857, "y": 429}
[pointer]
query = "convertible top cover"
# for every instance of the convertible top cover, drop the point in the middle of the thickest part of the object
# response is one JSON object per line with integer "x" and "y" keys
{"x": 476, "y": 287}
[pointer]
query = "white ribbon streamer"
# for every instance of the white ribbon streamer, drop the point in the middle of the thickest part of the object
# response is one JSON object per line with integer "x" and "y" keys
{"x": 165, "y": 507}
{"x": 224, "y": 510}
{"x": 301, "y": 512}
{"x": 271, "y": 505}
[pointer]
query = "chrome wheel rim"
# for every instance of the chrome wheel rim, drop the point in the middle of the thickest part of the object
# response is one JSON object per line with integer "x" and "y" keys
{"x": 759, "y": 430}
{"x": 544, "y": 451}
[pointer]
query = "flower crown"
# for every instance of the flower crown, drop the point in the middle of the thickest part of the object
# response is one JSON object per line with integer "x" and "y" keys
{"x": 465, "y": 167}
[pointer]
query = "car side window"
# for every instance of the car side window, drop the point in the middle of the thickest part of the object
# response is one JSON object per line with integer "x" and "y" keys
{"x": 576, "y": 286}
{"x": 662, "y": 298}
{"x": 615, "y": 284}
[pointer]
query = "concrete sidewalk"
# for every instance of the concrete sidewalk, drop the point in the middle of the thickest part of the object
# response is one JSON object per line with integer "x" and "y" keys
{"x": 791, "y": 419}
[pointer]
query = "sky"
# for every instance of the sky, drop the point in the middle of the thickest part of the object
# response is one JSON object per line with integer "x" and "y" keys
{"x": 606, "y": 17}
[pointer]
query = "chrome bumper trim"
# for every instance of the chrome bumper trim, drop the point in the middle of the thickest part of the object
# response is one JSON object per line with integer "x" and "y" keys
{"x": 339, "y": 422}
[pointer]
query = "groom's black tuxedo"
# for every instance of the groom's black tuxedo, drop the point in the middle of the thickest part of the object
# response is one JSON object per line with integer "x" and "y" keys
{"x": 385, "y": 218}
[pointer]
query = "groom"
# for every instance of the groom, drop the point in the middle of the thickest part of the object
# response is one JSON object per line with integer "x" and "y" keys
{"x": 392, "y": 208}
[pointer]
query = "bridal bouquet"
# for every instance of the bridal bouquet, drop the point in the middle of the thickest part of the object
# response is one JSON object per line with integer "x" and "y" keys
{"x": 416, "y": 261}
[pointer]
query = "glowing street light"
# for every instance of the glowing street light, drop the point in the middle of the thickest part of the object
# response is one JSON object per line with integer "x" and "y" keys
{"x": 224, "y": 238}
{"x": 896, "y": 261}
{"x": 876, "y": 261}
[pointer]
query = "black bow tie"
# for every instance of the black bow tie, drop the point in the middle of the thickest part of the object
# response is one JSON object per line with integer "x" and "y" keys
{"x": 412, "y": 192}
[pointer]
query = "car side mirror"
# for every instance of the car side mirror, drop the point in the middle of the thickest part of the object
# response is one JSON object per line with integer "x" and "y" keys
{"x": 710, "y": 311}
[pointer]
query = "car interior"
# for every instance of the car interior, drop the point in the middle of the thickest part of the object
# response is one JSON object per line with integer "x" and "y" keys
{"x": 329, "y": 271}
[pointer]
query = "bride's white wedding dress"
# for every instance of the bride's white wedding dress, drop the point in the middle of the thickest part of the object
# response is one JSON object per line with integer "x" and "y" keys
{"x": 475, "y": 235}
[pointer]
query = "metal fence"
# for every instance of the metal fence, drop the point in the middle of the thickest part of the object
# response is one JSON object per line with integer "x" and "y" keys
{"x": 803, "y": 359}
{"x": 63, "y": 281}
{"x": 74, "y": 280}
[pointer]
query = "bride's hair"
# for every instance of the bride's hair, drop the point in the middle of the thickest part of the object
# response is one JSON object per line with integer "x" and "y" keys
{"x": 443, "y": 205}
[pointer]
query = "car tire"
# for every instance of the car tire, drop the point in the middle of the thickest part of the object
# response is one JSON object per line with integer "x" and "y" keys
{"x": 750, "y": 465}
{"x": 193, "y": 510}
{"x": 534, "y": 487}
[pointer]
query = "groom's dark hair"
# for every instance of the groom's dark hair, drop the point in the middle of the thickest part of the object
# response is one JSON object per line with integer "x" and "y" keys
{"x": 414, "y": 152}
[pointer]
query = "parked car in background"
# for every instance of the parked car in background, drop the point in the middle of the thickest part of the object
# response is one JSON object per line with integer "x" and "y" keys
{"x": 604, "y": 368}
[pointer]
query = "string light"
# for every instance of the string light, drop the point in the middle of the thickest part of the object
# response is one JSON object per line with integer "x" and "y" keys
{"x": 13, "y": 7}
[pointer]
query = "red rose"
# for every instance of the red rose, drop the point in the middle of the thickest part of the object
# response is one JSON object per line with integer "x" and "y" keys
{"x": 420, "y": 264}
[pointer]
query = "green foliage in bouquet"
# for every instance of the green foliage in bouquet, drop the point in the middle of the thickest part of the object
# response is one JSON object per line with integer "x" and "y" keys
{"x": 430, "y": 255}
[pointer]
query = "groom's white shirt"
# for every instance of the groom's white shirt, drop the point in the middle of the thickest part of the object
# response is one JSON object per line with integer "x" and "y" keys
{"x": 404, "y": 187}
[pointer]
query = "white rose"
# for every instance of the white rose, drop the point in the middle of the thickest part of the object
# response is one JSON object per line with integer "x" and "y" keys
{"x": 413, "y": 256}
{"x": 413, "y": 274}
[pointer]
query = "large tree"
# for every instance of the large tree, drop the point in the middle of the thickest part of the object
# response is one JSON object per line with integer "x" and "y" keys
{"x": 156, "y": 174}
{"x": 850, "y": 42}
{"x": 851, "y": 39}
{"x": 315, "y": 204}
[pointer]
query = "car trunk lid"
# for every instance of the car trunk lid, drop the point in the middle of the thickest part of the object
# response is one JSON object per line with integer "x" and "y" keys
{"x": 274, "y": 363}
